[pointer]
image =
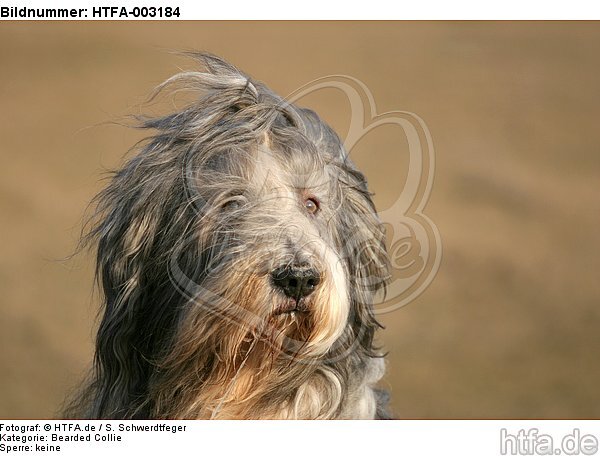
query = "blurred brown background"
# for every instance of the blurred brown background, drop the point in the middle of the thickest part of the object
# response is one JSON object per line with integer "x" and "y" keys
{"x": 510, "y": 327}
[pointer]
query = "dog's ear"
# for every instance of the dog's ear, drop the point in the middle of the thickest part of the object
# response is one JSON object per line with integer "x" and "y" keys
{"x": 136, "y": 218}
{"x": 123, "y": 240}
{"x": 366, "y": 247}
{"x": 364, "y": 251}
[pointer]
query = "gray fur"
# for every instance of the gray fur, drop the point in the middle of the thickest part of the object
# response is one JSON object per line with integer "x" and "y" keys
{"x": 188, "y": 232}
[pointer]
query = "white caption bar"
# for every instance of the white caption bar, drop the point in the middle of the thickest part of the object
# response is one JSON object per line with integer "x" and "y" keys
{"x": 465, "y": 438}
{"x": 305, "y": 10}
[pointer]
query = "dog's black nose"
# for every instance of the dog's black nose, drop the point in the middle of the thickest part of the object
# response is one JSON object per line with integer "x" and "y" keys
{"x": 296, "y": 282}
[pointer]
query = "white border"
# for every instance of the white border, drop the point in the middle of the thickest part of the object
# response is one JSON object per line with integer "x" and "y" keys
{"x": 336, "y": 10}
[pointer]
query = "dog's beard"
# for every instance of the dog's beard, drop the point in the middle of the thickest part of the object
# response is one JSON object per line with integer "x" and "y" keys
{"x": 283, "y": 327}
{"x": 245, "y": 341}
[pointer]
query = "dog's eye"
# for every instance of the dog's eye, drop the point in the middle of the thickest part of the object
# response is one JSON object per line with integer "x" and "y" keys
{"x": 311, "y": 205}
{"x": 233, "y": 204}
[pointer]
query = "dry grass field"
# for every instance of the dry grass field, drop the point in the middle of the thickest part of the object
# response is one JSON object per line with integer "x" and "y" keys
{"x": 509, "y": 328}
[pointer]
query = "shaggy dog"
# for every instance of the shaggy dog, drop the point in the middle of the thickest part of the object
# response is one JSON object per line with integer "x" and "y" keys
{"x": 239, "y": 253}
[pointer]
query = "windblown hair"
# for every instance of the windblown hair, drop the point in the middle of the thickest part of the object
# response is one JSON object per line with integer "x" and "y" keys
{"x": 194, "y": 235}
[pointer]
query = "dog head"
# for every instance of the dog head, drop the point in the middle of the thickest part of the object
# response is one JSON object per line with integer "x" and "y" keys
{"x": 239, "y": 252}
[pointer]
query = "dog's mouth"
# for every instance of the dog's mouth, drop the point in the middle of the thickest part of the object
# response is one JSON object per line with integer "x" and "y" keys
{"x": 289, "y": 325}
{"x": 291, "y": 307}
